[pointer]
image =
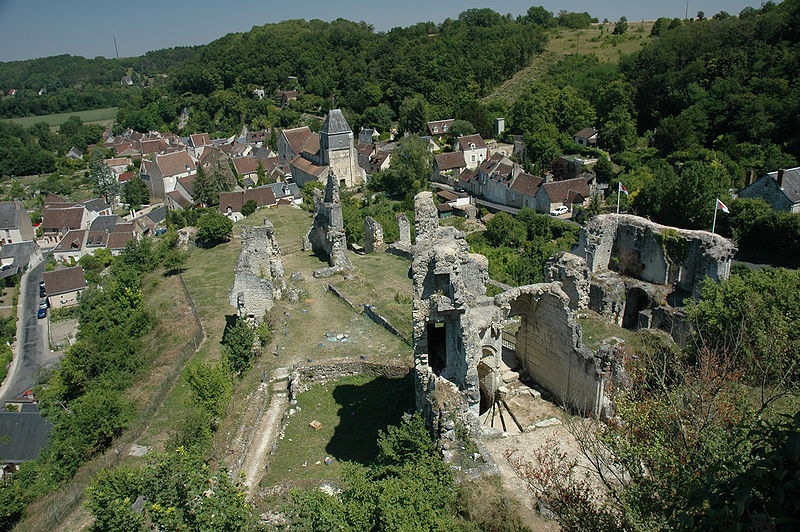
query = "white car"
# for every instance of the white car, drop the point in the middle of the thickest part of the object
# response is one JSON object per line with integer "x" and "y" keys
{"x": 559, "y": 211}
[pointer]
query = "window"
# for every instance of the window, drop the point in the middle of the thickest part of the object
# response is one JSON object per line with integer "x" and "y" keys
{"x": 473, "y": 159}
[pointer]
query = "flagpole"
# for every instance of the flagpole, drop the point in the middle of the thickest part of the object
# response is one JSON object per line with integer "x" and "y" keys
{"x": 619, "y": 193}
{"x": 714, "y": 223}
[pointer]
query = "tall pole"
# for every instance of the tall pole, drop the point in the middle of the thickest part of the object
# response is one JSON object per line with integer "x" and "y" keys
{"x": 115, "y": 46}
{"x": 619, "y": 193}
{"x": 714, "y": 223}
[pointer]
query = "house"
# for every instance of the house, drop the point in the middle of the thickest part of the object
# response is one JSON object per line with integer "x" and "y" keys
{"x": 127, "y": 149}
{"x": 153, "y": 146}
{"x": 259, "y": 93}
{"x": 175, "y": 201}
{"x": 118, "y": 240}
{"x": 587, "y": 137}
{"x": 74, "y": 153}
{"x": 15, "y": 224}
{"x": 23, "y": 435}
{"x": 15, "y": 258}
{"x": 499, "y": 180}
{"x": 186, "y": 187}
{"x": 258, "y": 138}
{"x": 58, "y": 220}
{"x": 447, "y": 167}
{"x": 292, "y": 142}
{"x": 332, "y": 151}
{"x": 71, "y": 247}
{"x": 568, "y": 192}
{"x": 64, "y": 286}
{"x": 286, "y": 193}
{"x": 231, "y": 203}
{"x": 163, "y": 173}
{"x": 523, "y": 191}
{"x": 780, "y": 189}
{"x": 473, "y": 148}
{"x": 439, "y": 128}
{"x": 247, "y": 167}
{"x": 118, "y": 165}
{"x": 198, "y": 143}
{"x": 284, "y": 97}
{"x": 94, "y": 207}
{"x": 375, "y": 157}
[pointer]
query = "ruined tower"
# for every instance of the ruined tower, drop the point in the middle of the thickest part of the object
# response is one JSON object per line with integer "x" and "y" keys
{"x": 258, "y": 278}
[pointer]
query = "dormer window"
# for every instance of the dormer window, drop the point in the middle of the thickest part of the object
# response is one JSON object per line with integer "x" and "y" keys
{"x": 472, "y": 145}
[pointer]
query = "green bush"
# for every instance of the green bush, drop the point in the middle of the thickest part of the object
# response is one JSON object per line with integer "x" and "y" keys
{"x": 213, "y": 228}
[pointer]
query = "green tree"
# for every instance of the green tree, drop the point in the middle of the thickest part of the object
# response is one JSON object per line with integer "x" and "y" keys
{"x": 621, "y": 26}
{"x": 104, "y": 184}
{"x": 409, "y": 169}
{"x": 213, "y": 228}
{"x": 249, "y": 207}
{"x": 210, "y": 385}
{"x": 603, "y": 169}
{"x": 204, "y": 191}
{"x": 414, "y": 115}
{"x": 135, "y": 193}
{"x": 539, "y": 15}
{"x": 238, "y": 341}
{"x": 504, "y": 230}
{"x": 261, "y": 174}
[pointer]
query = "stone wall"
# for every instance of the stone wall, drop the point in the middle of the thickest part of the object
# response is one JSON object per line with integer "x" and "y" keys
{"x": 573, "y": 274}
{"x": 373, "y": 236}
{"x": 258, "y": 277}
{"x": 327, "y": 236}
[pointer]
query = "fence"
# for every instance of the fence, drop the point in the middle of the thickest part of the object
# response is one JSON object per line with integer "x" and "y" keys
{"x": 510, "y": 340}
{"x": 53, "y": 509}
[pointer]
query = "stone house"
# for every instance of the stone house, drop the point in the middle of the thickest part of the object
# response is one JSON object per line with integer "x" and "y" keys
{"x": 501, "y": 181}
{"x": 199, "y": 142}
{"x": 71, "y": 247}
{"x": 231, "y": 203}
{"x": 164, "y": 171}
{"x": 587, "y": 137}
{"x": 474, "y": 150}
{"x": 64, "y": 286}
{"x": 58, "y": 219}
{"x": 247, "y": 167}
{"x": 447, "y": 167}
{"x": 292, "y": 142}
{"x": 74, "y": 153}
{"x": 15, "y": 224}
{"x": 175, "y": 201}
{"x": 16, "y": 257}
{"x": 568, "y": 192}
{"x": 285, "y": 97}
{"x": 780, "y": 189}
{"x": 118, "y": 165}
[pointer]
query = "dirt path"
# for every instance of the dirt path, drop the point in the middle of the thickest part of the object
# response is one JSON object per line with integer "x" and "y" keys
{"x": 266, "y": 434}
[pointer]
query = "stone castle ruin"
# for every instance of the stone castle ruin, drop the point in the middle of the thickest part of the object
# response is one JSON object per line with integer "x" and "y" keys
{"x": 326, "y": 237}
{"x": 258, "y": 278}
{"x": 461, "y": 346}
{"x": 373, "y": 236}
{"x": 637, "y": 273}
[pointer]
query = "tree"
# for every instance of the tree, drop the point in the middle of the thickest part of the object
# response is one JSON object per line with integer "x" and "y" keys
{"x": 249, "y": 207}
{"x": 460, "y": 128}
{"x": 621, "y": 26}
{"x": 539, "y": 15}
{"x": 135, "y": 193}
{"x": 261, "y": 174}
{"x": 409, "y": 170}
{"x": 701, "y": 15}
{"x": 213, "y": 228}
{"x": 104, "y": 183}
{"x": 238, "y": 341}
{"x": 661, "y": 24}
{"x": 204, "y": 190}
{"x": 414, "y": 115}
{"x": 504, "y": 230}
{"x": 603, "y": 169}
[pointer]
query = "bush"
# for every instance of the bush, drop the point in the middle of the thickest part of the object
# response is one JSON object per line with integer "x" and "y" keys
{"x": 213, "y": 228}
{"x": 249, "y": 207}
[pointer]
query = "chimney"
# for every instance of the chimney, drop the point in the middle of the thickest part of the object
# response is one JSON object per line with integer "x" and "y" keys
{"x": 780, "y": 177}
{"x": 749, "y": 178}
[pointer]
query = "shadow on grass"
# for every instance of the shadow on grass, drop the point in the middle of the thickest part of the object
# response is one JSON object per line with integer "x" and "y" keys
{"x": 364, "y": 410}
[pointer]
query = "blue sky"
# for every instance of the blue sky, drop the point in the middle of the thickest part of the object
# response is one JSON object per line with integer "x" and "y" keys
{"x": 38, "y": 28}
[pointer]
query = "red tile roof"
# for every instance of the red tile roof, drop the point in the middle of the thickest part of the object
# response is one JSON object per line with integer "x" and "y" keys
{"x": 200, "y": 139}
{"x": 56, "y": 219}
{"x": 263, "y": 196}
{"x": 450, "y": 161}
{"x": 119, "y": 239}
{"x": 527, "y": 184}
{"x": 302, "y": 139}
{"x": 246, "y": 165}
{"x": 175, "y": 163}
{"x": 477, "y": 140}
{"x": 72, "y": 241}
{"x": 563, "y": 191}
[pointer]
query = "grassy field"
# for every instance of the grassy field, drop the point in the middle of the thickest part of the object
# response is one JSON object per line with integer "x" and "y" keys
{"x": 103, "y": 117}
{"x": 596, "y": 40}
{"x": 351, "y": 412}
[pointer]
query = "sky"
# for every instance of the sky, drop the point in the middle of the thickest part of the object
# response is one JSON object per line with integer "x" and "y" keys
{"x": 40, "y": 28}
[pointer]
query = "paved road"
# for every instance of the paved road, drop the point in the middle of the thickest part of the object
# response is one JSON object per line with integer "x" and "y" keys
{"x": 34, "y": 348}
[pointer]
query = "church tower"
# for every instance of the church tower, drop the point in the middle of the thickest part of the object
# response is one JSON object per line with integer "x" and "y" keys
{"x": 337, "y": 151}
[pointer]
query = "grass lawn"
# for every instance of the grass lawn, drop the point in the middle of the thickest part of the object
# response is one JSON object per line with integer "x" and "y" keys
{"x": 595, "y": 329}
{"x": 7, "y": 300}
{"x": 101, "y": 116}
{"x": 351, "y": 411}
{"x": 596, "y": 40}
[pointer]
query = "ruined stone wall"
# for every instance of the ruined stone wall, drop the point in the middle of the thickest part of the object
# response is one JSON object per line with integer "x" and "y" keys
{"x": 573, "y": 274}
{"x": 327, "y": 236}
{"x": 373, "y": 236}
{"x": 654, "y": 253}
{"x": 258, "y": 277}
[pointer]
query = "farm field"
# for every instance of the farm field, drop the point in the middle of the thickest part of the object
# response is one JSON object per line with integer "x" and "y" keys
{"x": 103, "y": 117}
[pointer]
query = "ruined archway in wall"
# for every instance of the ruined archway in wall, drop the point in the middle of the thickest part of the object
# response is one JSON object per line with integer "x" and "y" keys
{"x": 636, "y": 301}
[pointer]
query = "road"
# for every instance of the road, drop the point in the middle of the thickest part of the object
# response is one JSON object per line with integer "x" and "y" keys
{"x": 34, "y": 347}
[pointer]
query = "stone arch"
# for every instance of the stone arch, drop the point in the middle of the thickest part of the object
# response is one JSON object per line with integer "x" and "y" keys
{"x": 636, "y": 301}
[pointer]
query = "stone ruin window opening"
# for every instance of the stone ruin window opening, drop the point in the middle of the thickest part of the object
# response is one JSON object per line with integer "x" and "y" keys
{"x": 636, "y": 302}
{"x": 442, "y": 284}
{"x": 437, "y": 346}
{"x": 342, "y": 183}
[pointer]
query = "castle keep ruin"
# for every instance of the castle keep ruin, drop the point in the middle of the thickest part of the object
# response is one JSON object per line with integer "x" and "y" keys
{"x": 637, "y": 273}
{"x": 258, "y": 277}
{"x": 460, "y": 345}
{"x": 326, "y": 236}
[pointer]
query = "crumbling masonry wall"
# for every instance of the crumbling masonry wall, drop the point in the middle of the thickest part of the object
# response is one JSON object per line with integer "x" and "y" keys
{"x": 327, "y": 236}
{"x": 258, "y": 277}
{"x": 373, "y": 236}
{"x": 458, "y": 329}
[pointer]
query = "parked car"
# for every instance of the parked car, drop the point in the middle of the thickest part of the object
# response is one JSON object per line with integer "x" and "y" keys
{"x": 44, "y": 303}
{"x": 42, "y": 313}
{"x": 559, "y": 211}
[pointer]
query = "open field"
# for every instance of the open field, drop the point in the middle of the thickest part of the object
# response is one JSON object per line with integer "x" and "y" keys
{"x": 103, "y": 117}
{"x": 596, "y": 40}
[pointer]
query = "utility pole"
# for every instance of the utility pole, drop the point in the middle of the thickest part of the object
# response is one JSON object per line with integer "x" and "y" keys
{"x": 687, "y": 11}
{"x": 116, "y": 50}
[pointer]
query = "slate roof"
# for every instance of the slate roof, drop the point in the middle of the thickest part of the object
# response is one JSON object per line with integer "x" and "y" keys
{"x": 22, "y": 436}
{"x": 95, "y": 205}
{"x": 20, "y": 253}
{"x": 476, "y": 139}
{"x": 62, "y": 281}
{"x": 527, "y": 184}
{"x": 335, "y": 123}
{"x": 104, "y": 223}
{"x": 158, "y": 215}
{"x": 284, "y": 190}
{"x": 450, "y": 161}
{"x": 263, "y": 196}
{"x": 586, "y": 133}
{"x": 791, "y": 183}
{"x": 8, "y": 214}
